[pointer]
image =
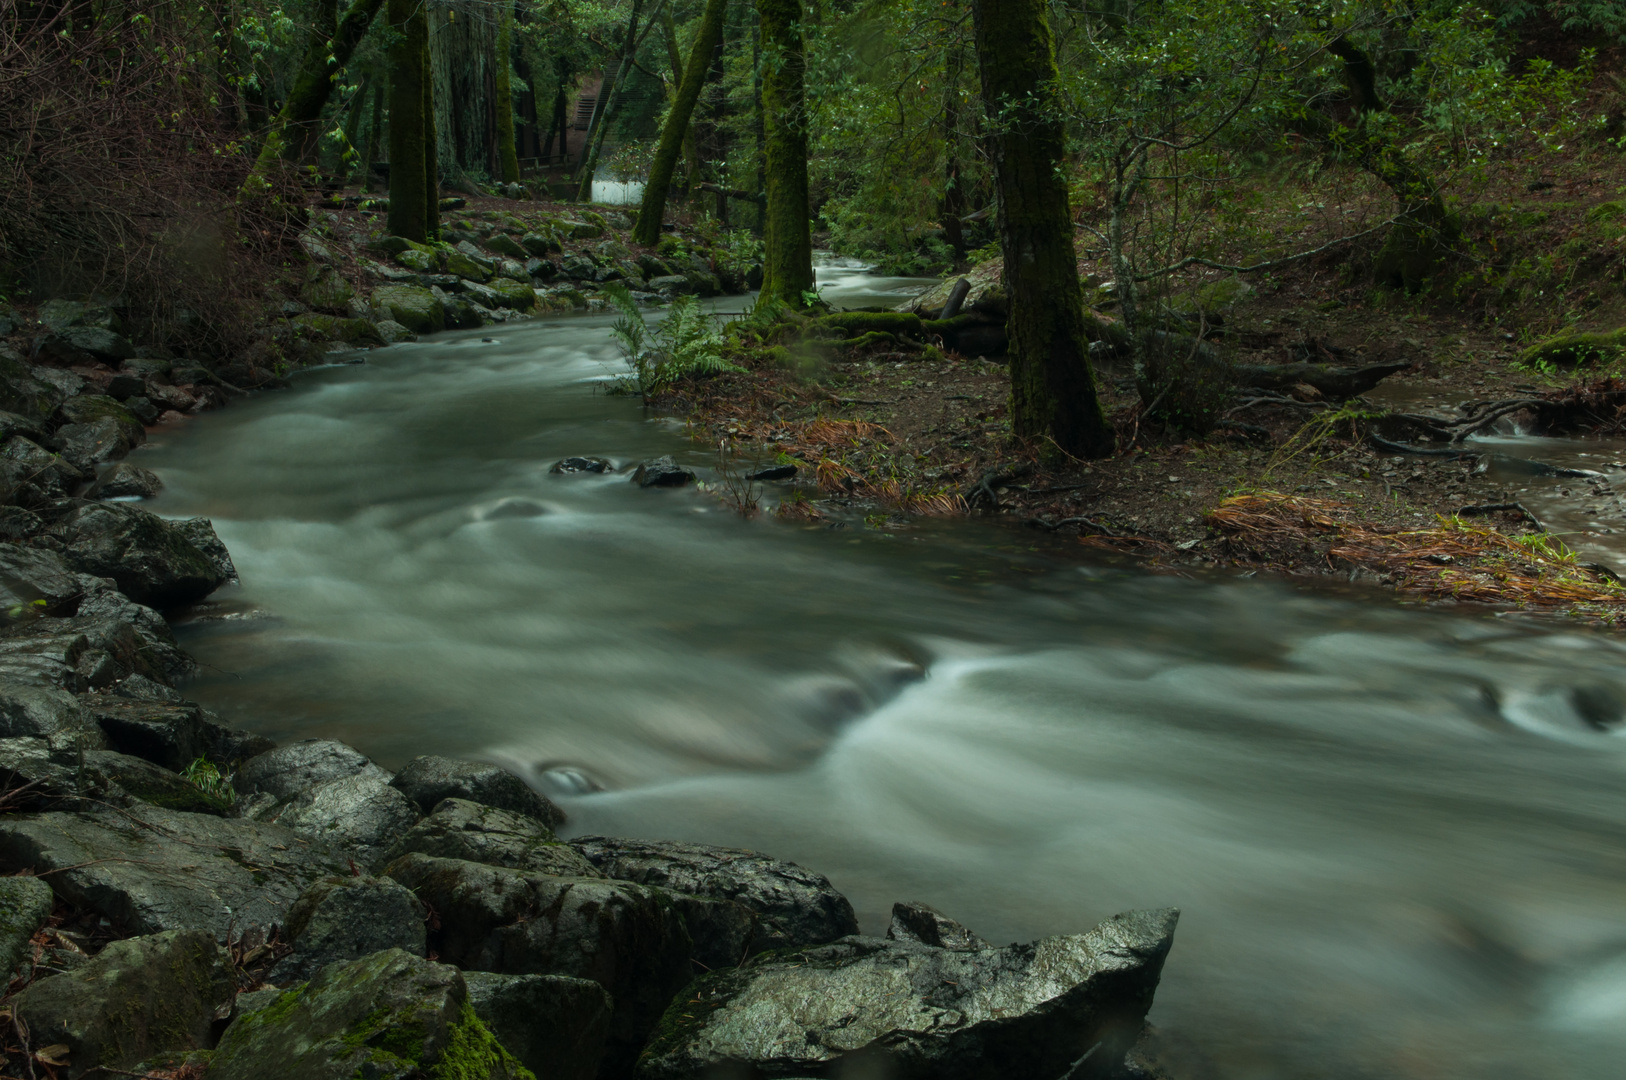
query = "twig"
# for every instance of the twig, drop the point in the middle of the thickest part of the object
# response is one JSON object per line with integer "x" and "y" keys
{"x": 1083, "y": 522}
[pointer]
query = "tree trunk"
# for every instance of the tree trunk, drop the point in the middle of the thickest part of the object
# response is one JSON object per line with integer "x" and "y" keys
{"x": 648, "y": 229}
{"x": 601, "y": 107}
{"x": 952, "y": 205}
{"x": 759, "y": 129}
{"x": 296, "y": 126}
{"x": 507, "y": 156}
{"x": 352, "y": 124}
{"x": 788, "y": 239}
{"x": 431, "y": 146}
{"x": 1052, "y": 387}
{"x": 691, "y": 155}
{"x": 409, "y": 152}
{"x": 374, "y": 130}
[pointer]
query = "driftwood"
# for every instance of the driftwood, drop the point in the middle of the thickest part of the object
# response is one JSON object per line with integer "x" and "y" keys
{"x": 1333, "y": 382}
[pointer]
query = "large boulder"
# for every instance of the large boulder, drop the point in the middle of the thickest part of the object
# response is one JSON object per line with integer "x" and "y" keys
{"x": 326, "y": 289}
{"x": 627, "y": 938}
{"x": 361, "y": 815}
{"x": 429, "y": 779}
{"x": 556, "y": 1025}
{"x": 388, "y": 1016}
{"x": 76, "y": 344}
{"x": 151, "y": 783}
{"x": 22, "y": 392}
{"x": 31, "y": 470}
{"x": 153, "y": 561}
{"x": 25, "y": 904}
{"x": 146, "y": 869}
{"x": 171, "y": 734}
{"x": 503, "y": 244}
{"x": 1060, "y": 1007}
{"x": 412, "y": 306}
{"x": 201, "y": 531}
{"x": 295, "y": 768}
{"x": 796, "y": 906}
{"x": 89, "y": 408}
{"x": 126, "y": 481}
{"x": 346, "y": 918}
{"x": 134, "y": 998}
{"x": 514, "y": 294}
{"x": 459, "y": 829}
{"x": 86, "y": 446}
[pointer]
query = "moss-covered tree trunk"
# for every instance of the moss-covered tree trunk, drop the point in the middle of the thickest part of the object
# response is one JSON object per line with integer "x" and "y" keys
{"x": 674, "y": 56}
{"x": 648, "y": 229}
{"x": 431, "y": 146}
{"x": 1052, "y": 386}
{"x": 952, "y": 205}
{"x": 507, "y": 155}
{"x": 787, "y": 236}
{"x": 410, "y": 159}
{"x": 295, "y": 128}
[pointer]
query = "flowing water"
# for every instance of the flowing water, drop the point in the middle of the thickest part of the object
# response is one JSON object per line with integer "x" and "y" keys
{"x": 1398, "y": 837}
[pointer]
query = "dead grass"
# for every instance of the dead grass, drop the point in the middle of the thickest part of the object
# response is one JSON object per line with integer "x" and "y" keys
{"x": 1453, "y": 559}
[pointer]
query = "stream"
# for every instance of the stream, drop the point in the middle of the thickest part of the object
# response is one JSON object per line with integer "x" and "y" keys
{"x": 1398, "y": 836}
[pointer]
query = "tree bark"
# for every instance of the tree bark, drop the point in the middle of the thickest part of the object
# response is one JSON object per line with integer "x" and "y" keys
{"x": 409, "y": 153}
{"x": 507, "y": 155}
{"x": 691, "y": 155}
{"x": 431, "y": 145}
{"x": 1052, "y": 386}
{"x": 787, "y": 236}
{"x": 374, "y": 130}
{"x": 297, "y": 125}
{"x": 648, "y": 229}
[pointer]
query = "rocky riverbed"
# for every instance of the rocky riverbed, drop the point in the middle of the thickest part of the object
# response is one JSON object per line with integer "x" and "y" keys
{"x": 186, "y": 899}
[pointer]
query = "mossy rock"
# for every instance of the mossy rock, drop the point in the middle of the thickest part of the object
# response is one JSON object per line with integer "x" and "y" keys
{"x": 326, "y": 289}
{"x": 395, "y": 245}
{"x": 421, "y": 261}
{"x": 1574, "y": 350}
{"x": 582, "y": 230}
{"x": 518, "y": 295}
{"x": 390, "y": 1014}
{"x": 333, "y": 328}
{"x": 155, "y": 784}
{"x": 469, "y": 267}
{"x": 89, "y": 408}
{"x": 503, "y": 244}
{"x": 25, "y": 904}
{"x": 540, "y": 243}
{"x": 413, "y": 306}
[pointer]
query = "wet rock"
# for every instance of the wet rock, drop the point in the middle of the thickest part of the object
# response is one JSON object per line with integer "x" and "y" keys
{"x": 555, "y": 1025}
{"x": 512, "y": 294}
{"x": 201, "y": 532}
{"x": 43, "y": 712}
{"x": 503, "y": 244}
{"x": 89, "y": 408}
{"x": 392, "y": 331}
{"x": 360, "y": 814}
{"x": 143, "y": 409}
{"x": 77, "y": 343}
{"x": 25, "y": 904}
{"x": 35, "y": 777}
{"x": 29, "y": 574}
{"x": 39, "y": 469}
{"x": 153, "y": 561}
{"x": 60, "y": 313}
{"x": 469, "y": 267}
{"x": 927, "y": 926}
{"x": 171, "y": 734}
{"x": 297, "y": 767}
{"x": 704, "y": 283}
{"x": 146, "y": 869}
{"x": 774, "y": 472}
{"x": 389, "y": 1016}
{"x": 11, "y": 425}
{"x": 152, "y": 784}
{"x": 661, "y": 472}
{"x": 582, "y": 465}
{"x": 156, "y": 652}
{"x": 725, "y": 933}
{"x": 460, "y": 313}
{"x": 86, "y": 446}
{"x": 137, "y": 996}
{"x": 126, "y": 481}
{"x": 671, "y": 283}
{"x": 580, "y": 230}
{"x": 325, "y": 289}
{"x": 578, "y": 268}
{"x": 23, "y": 393}
{"x": 18, "y": 524}
{"x": 797, "y": 906}
{"x": 1063, "y": 1006}
{"x": 123, "y": 386}
{"x": 459, "y": 829}
{"x": 542, "y": 270}
{"x": 627, "y": 938}
{"x": 413, "y": 306}
{"x": 347, "y": 918}
{"x": 539, "y": 244}
{"x": 428, "y": 780}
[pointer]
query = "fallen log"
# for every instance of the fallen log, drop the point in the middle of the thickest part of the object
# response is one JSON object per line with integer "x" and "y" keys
{"x": 1335, "y": 382}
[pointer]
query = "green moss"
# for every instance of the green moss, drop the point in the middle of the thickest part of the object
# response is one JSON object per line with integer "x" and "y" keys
{"x": 691, "y": 1008}
{"x": 1608, "y": 211}
{"x": 1573, "y": 350}
{"x": 473, "y": 1053}
{"x": 852, "y": 323}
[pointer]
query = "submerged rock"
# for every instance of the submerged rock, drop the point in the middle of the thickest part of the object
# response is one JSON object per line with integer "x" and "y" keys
{"x": 147, "y": 870}
{"x": 389, "y": 1016}
{"x": 627, "y": 938}
{"x": 797, "y": 906}
{"x": 459, "y": 829}
{"x": 134, "y": 998}
{"x": 582, "y": 465}
{"x": 429, "y": 779}
{"x": 1060, "y": 1007}
{"x": 346, "y": 918}
{"x": 555, "y": 1024}
{"x": 662, "y": 472}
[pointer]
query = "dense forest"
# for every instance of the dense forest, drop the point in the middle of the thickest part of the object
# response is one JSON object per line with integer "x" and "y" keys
{"x": 989, "y": 349}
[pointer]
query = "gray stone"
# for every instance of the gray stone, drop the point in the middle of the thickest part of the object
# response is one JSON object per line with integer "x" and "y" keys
{"x": 153, "y": 561}
{"x": 652, "y": 267}
{"x": 126, "y": 481}
{"x": 581, "y": 230}
{"x": 541, "y": 269}
{"x": 325, "y": 289}
{"x": 152, "y": 784}
{"x": 539, "y": 244}
{"x": 392, "y": 331}
{"x": 25, "y": 904}
{"x": 389, "y": 1016}
{"x": 76, "y": 343}
{"x": 143, "y": 409}
{"x": 157, "y": 653}
{"x": 89, "y": 408}
{"x": 503, "y": 244}
{"x": 627, "y": 938}
{"x": 578, "y": 268}
{"x": 147, "y": 869}
{"x": 171, "y": 734}
{"x": 671, "y": 283}
{"x": 555, "y": 1025}
{"x": 43, "y": 712}
{"x": 122, "y": 387}
{"x": 46, "y": 471}
{"x": 346, "y": 918}
{"x": 298, "y": 767}
{"x": 11, "y": 425}
{"x": 1060, "y": 1007}
{"x": 86, "y": 446}
{"x": 927, "y": 926}
{"x": 412, "y": 306}
{"x": 24, "y": 393}
{"x": 582, "y": 465}
{"x": 201, "y": 531}
{"x": 797, "y": 906}
{"x": 359, "y": 814}
{"x": 662, "y": 472}
{"x": 138, "y": 996}
{"x": 459, "y": 829}
{"x": 427, "y": 780}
